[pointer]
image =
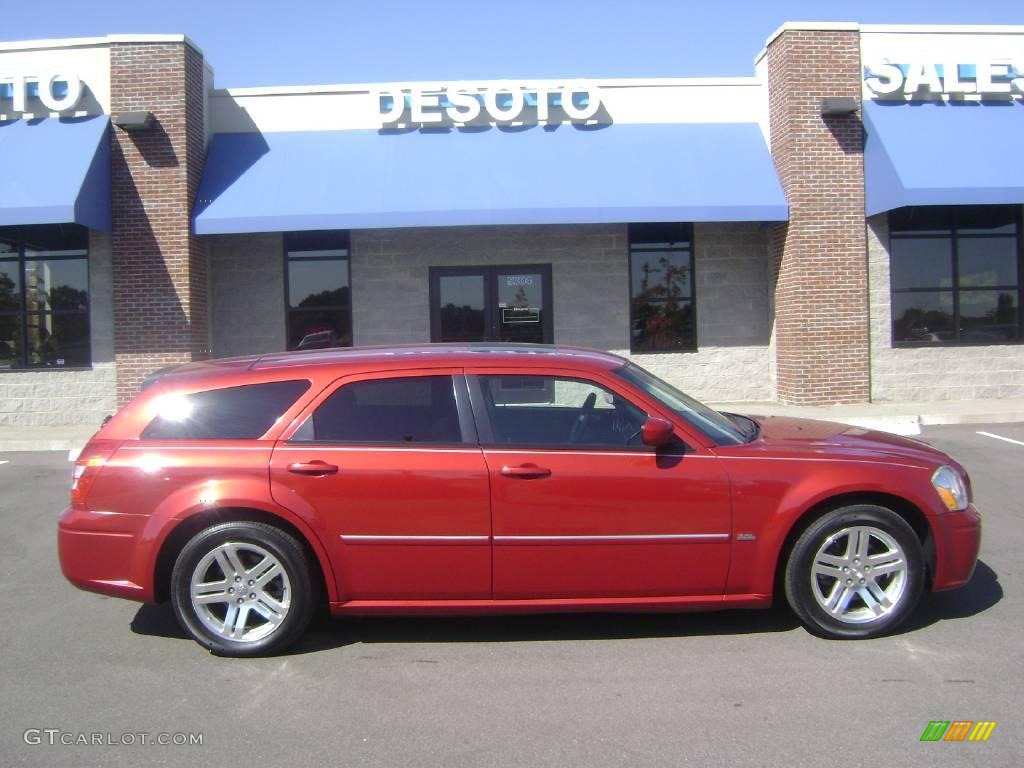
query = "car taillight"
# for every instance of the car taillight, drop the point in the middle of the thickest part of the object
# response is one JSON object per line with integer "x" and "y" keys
{"x": 88, "y": 465}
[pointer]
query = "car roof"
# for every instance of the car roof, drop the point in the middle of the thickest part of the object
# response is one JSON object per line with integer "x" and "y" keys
{"x": 412, "y": 355}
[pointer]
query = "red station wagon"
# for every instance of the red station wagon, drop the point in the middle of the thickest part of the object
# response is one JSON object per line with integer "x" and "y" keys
{"x": 467, "y": 478}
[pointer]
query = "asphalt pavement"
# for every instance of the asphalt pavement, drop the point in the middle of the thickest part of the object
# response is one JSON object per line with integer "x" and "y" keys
{"x": 740, "y": 688}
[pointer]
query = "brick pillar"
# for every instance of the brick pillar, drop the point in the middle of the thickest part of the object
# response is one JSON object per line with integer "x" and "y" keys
{"x": 821, "y": 290}
{"x": 160, "y": 281}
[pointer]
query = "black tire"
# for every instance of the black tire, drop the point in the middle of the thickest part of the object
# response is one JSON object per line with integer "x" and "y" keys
{"x": 839, "y": 593}
{"x": 273, "y": 607}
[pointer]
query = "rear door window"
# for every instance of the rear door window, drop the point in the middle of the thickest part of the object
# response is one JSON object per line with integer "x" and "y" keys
{"x": 415, "y": 409}
{"x": 231, "y": 413}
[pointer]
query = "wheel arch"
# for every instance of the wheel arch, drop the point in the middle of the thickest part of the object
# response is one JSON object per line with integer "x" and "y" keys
{"x": 182, "y": 533}
{"x": 906, "y": 509}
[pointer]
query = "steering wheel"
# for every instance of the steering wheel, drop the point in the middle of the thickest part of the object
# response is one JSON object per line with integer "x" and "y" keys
{"x": 581, "y": 420}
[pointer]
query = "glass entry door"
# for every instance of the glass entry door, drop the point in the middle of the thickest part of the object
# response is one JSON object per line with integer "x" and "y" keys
{"x": 499, "y": 304}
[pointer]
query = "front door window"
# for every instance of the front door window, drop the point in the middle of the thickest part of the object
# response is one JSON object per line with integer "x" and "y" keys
{"x": 497, "y": 304}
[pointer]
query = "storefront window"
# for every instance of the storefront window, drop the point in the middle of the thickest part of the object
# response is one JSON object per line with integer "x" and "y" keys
{"x": 956, "y": 275}
{"x": 317, "y": 290}
{"x": 662, "y": 305}
{"x": 44, "y": 297}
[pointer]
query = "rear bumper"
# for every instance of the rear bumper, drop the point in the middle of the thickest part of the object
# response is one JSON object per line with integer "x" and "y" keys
{"x": 100, "y": 552}
{"x": 957, "y": 541}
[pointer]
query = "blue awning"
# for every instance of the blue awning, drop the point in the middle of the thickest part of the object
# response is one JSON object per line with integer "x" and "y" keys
{"x": 964, "y": 153}
{"x": 536, "y": 175}
{"x": 55, "y": 171}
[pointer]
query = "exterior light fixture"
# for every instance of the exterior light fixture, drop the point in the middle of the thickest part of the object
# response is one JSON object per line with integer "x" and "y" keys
{"x": 133, "y": 121}
{"x": 838, "y": 105}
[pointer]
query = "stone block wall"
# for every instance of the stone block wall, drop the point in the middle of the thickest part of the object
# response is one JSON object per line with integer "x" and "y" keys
{"x": 733, "y": 360}
{"x": 246, "y": 294}
{"x": 390, "y": 277}
{"x": 589, "y": 264}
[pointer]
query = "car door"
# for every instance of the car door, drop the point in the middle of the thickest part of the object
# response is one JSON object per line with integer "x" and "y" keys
{"x": 580, "y": 508}
{"x": 389, "y": 465}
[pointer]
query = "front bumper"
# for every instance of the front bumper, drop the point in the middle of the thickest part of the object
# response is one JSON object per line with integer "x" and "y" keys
{"x": 957, "y": 541}
{"x": 101, "y": 552}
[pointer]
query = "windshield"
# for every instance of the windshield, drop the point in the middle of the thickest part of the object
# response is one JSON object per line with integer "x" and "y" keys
{"x": 709, "y": 422}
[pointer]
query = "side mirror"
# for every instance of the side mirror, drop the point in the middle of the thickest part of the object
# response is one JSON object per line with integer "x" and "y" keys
{"x": 656, "y": 432}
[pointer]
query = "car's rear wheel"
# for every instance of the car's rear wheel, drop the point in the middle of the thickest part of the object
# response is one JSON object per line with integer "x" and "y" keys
{"x": 856, "y": 572}
{"x": 243, "y": 589}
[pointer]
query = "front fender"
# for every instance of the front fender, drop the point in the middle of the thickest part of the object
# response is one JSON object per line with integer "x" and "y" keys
{"x": 768, "y": 503}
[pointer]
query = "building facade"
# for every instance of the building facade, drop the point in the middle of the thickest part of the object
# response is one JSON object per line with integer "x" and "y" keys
{"x": 842, "y": 226}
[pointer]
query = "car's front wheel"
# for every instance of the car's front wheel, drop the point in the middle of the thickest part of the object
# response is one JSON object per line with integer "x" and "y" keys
{"x": 243, "y": 589}
{"x": 856, "y": 572}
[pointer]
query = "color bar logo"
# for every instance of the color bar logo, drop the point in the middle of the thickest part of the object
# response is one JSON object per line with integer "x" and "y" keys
{"x": 958, "y": 730}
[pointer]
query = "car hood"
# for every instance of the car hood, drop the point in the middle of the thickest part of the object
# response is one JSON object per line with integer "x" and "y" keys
{"x": 807, "y": 436}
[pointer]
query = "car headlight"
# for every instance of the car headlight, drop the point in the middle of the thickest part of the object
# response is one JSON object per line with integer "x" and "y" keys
{"x": 951, "y": 488}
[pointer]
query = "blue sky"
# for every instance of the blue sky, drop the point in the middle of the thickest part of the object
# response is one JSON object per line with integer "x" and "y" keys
{"x": 290, "y": 42}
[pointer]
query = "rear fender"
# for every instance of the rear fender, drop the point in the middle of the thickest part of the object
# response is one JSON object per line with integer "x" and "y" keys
{"x": 208, "y": 498}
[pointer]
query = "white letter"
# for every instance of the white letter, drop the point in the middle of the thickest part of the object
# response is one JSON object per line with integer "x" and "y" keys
{"x": 464, "y": 105}
{"x": 581, "y": 113}
{"x": 951, "y": 81}
{"x": 421, "y": 100}
{"x": 18, "y": 88}
{"x": 31, "y": 736}
{"x": 512, "y": 111}
{"x": 922, "y": 75}
{"x": 884, "y": 79}
{"x": 71, "y": 98}
{"x": 984, "y": 76}
{"x": 542, "y": 105}
{"x": 394, "y": 113}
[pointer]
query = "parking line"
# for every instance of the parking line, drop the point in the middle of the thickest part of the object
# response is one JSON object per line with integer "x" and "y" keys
{"x": 5, "y": 462}
{"x": 1000, "y": 437}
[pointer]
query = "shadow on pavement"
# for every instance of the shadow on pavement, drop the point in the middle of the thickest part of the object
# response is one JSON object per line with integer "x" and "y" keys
{"x": 157, "y": 620}
{"x": 979, "y": 595}
{"x": 542, "y": 627}
{"x": 335, "y": 632}
{"x": 982, "y": 592}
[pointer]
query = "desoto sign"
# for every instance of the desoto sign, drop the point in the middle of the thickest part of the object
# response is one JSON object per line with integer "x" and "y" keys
{"x": 57, "y": 93}
{"x": 929, "y": 80}
{"x": 501, "y": 104}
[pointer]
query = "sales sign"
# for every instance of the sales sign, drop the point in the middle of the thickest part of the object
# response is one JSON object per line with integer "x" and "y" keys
{"x": 987, "y": 79}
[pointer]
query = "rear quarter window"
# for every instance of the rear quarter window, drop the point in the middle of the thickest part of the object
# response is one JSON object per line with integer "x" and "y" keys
{"x": 231, "y": 413}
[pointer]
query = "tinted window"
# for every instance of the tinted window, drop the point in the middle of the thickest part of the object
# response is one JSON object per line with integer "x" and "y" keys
{"x": 553, "y": 411}
{"x": 236, "y": 413}
{"x": 662, "y": 305}
{"x": 418, "y": 409}
{"x": 44, "y": 296}
{"x": 319, "y": 295}
{"x": 956, "y": 274}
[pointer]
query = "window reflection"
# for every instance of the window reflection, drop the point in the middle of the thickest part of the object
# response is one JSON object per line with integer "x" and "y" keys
{"x": 463, "y": 315}
{"x": 955, "y": 274}
{"x": 44, "y": 296}
{"x": 319, "y": 313}
{"x": 661, "y": 285}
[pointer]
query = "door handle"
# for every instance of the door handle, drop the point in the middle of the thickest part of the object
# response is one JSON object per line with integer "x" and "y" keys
{"x": 526, "y": 471}
{"x": 315, "y": 467}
